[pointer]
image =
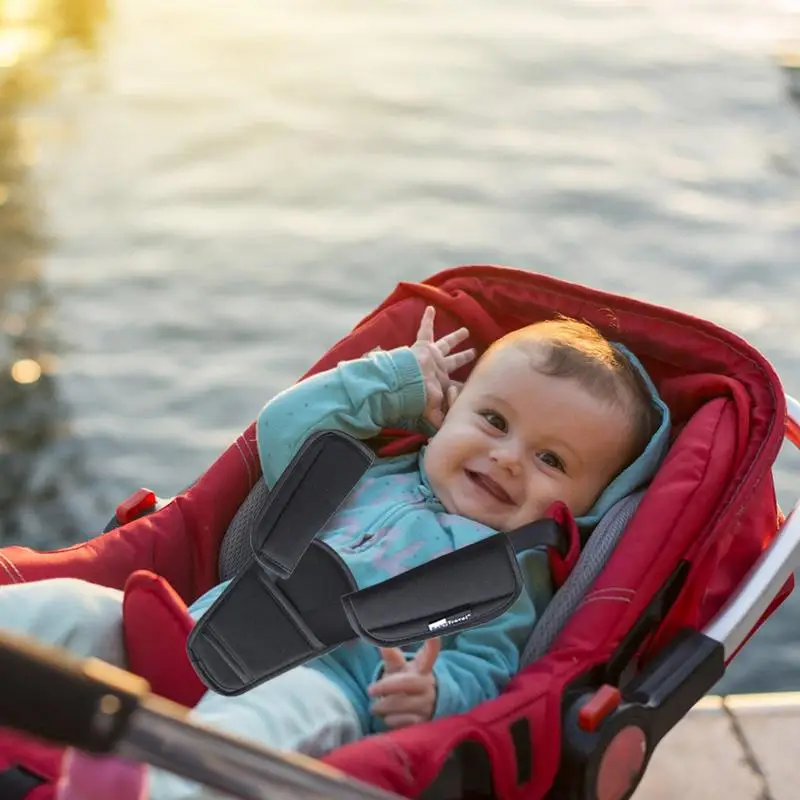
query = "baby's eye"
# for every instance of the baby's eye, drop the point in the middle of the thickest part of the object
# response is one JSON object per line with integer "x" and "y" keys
{"x": 552, "y": 460}
{"x": 495, "y": 420}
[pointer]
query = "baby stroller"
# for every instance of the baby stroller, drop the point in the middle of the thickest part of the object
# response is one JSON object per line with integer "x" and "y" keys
{"x": 666, "y": 590}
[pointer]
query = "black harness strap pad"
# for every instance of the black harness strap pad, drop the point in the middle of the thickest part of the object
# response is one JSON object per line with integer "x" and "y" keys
{"x": 460, "y": 590}
{"x": 262, "y": 626}
{"x": 308, "y": 493}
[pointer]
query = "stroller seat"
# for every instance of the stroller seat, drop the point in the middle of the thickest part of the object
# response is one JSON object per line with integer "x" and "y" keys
{"x": 656, "y": 570}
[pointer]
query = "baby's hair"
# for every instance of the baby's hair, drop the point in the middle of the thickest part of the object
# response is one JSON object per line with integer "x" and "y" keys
{"x": 567, "y": 348}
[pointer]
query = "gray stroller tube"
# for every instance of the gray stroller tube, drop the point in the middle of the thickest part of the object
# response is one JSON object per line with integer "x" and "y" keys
{"x": 98, "y": 708}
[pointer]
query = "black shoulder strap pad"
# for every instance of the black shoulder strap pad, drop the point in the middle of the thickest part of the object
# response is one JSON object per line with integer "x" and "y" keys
{"x": 308, "y": 493}
{"x": 463, "y": 589}
{"x": 227, "y": 644}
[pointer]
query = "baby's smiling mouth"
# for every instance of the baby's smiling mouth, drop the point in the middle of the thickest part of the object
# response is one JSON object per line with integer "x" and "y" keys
{"x": 490, "y": 486}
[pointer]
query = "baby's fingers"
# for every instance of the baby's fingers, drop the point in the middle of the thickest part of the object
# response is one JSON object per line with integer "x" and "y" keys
{"x": 395, "y": 721}
{"x": 393, "y": 660}
{"x": 457, "y": 360}
{"x": 399, "y": 683}
{"x": 434, "y": 412}
{"x": 426, "y": 656}
{"x": 425, "y": 332}
{"x": 452, "y": 340}
{"x": 401, "y": 704}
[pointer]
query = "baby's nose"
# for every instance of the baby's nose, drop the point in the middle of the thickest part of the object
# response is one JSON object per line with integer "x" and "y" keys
{"x": 507, "y": 456}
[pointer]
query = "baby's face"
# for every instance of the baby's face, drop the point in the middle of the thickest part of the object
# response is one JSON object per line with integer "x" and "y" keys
{"x": 517, "y": 441}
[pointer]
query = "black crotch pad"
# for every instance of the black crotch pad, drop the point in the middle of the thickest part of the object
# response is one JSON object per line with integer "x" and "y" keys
{"x": 262, "y": 626}
{"x": 254, "y": 631}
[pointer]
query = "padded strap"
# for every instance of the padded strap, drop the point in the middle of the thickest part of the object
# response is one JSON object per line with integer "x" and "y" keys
{"x": 541, "y": 533}
{"x": 227, "y": 647}
{"x": 262, "y": 625}
{"x": 308, "y": 493}
{"x": 297, "y": 598}
{"x": 460, "y": 590}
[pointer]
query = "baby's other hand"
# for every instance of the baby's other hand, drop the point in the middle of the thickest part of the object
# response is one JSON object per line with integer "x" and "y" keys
{"x": 406, "y": 693}
{"x": 436, "y": 363}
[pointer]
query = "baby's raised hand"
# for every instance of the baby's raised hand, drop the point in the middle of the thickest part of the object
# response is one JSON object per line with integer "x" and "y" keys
{"x": 437, "y": 361}
{"x": 406, "y": 693}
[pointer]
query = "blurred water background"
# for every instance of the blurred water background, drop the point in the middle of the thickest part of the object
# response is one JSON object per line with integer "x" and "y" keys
{"x": 197, "y": 199}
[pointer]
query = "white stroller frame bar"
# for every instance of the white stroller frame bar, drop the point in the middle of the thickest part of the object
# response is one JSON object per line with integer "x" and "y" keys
{"x": 734, "y": 622}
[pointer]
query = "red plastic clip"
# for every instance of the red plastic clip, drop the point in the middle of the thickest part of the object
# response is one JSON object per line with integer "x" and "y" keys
{"x": 140, "y": 502}
{"x": 598, "y": 707}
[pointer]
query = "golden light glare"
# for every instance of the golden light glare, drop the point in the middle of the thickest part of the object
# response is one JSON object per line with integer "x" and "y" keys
{"x": 26, "y": 370}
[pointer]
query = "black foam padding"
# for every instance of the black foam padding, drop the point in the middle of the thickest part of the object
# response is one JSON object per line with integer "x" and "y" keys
{"x": 310, "y": 490}
{"x": 460, "y": 590}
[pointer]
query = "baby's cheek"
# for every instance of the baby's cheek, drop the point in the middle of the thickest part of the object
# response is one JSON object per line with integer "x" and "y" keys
{"x": 543, "y": 494}
{"x": 581, "y": 501}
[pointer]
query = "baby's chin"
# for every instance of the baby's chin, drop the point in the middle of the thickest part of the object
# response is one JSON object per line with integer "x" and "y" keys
{"x": 450, "y": 494}
{"x": 491, "y": 519}
{"x": 446, "y": 499}
{"x": 446, "y": 496}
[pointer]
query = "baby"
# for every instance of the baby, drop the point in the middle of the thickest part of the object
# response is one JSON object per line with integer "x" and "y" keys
{"x": 550, "y": 413}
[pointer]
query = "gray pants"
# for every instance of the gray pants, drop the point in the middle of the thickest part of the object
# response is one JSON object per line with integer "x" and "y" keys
{"x": 299, "y": 711}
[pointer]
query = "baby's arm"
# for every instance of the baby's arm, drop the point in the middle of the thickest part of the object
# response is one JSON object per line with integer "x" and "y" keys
{"x": 476, "y": 665}
{"x": 404, "y": 385}
{"x": 358, "y": 397}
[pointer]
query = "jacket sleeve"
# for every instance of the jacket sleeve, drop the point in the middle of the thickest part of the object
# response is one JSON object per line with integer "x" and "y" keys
{"x": 475, "y": 665}
{"x": 358, "y": 397}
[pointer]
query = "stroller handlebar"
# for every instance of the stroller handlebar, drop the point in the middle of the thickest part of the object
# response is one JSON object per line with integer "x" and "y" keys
{"x": 96, "y": 707}
{"x": 235, "y": 766}
{"x": 86, "y": 703}
{"x": 737, "y": 619}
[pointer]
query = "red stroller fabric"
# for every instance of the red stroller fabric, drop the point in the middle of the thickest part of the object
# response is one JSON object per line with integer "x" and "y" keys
{"x": 712, "y": 504}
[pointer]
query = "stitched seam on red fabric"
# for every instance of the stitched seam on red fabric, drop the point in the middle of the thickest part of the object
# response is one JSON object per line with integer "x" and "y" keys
{"x": 246, "y": 460}
{"x": 10, "y": 569}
